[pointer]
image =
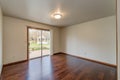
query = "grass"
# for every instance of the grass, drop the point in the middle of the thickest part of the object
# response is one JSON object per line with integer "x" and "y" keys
{"x": 35, "y": 46}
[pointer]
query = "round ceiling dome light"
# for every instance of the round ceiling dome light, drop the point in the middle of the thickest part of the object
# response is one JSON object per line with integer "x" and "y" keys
{"x": 57, "y": 16}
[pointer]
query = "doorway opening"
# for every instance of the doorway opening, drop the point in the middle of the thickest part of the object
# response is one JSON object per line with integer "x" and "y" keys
{"x": 38, "y": 42}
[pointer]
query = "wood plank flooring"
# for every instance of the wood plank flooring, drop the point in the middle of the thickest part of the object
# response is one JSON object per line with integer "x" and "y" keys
{"x": 58, "y": 67}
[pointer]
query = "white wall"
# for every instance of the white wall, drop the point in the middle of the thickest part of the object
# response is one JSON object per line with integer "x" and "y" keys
{"x": 118, "y": 21}
{"x": 1, "y": 40}
{"x": 15, "y": 38}
{"x": 94, "y": 40}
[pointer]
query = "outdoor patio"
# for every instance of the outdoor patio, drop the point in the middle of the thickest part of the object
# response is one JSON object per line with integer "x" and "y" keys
{"x": 37, "y": 53}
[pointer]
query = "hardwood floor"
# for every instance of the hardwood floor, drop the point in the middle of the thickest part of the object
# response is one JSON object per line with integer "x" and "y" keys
{"x": 58, "y": 67}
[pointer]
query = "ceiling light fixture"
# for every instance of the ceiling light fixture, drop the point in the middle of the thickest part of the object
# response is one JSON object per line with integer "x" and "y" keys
{"x": 57, "y": 16}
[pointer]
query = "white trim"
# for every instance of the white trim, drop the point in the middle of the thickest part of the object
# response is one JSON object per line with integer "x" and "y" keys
{"x": 51, "y": 42}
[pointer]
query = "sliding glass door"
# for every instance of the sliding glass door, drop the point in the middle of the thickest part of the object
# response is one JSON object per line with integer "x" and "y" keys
{"x": 39, "y": 42}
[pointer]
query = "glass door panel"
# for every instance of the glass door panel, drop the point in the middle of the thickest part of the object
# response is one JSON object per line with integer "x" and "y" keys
{"x": 45, "y": 42}
{"x": 35, "y": 49}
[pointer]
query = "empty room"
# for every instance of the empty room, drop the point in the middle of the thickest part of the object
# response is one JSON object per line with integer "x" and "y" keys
{"x": 59, "y": 40}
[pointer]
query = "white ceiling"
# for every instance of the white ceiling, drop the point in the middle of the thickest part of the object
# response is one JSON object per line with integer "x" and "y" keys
{"x": 75, "y": 11}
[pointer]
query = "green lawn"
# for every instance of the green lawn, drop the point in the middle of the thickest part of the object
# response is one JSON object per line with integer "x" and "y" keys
{"x": 35, "y": 46}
